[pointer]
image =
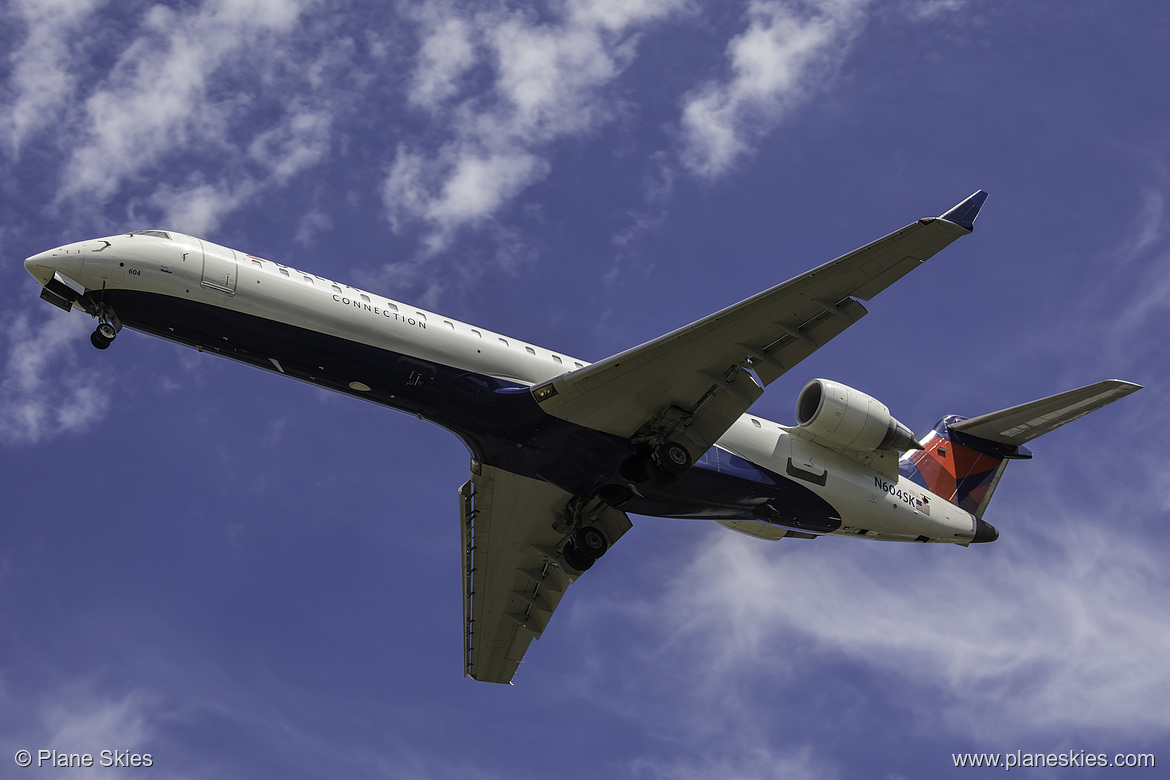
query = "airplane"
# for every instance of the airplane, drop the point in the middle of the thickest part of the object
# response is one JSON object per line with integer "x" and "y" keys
{"x": 562, "y": 450}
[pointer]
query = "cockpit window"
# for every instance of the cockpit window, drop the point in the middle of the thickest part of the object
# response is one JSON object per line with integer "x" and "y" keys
{"x": 155, "y": 233}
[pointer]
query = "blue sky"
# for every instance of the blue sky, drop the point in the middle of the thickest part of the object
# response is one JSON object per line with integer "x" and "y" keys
{"x": 247, "y": 577}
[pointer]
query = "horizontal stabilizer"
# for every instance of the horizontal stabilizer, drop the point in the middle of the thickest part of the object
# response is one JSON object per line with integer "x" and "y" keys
{"x": 1025, "y": 422}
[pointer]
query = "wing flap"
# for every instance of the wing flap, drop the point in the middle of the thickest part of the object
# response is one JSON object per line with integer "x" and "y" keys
{"x": 511, "y": 583}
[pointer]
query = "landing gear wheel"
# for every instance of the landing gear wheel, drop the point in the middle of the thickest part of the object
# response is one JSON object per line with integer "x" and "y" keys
{"x": 672, "y": 458}
{"x": 107, "y": 331}
{"x": 587, "y": 545}
{"x": 98, "y": 340}
{"x": 575, "y": 559}
{"x": 590, "y": 542}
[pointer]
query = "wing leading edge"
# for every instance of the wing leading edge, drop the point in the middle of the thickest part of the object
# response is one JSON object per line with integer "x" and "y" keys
{"x": 690, "y": 385}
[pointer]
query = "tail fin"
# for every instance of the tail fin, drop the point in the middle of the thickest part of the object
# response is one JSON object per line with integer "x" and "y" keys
{"x": 963, "y": 460}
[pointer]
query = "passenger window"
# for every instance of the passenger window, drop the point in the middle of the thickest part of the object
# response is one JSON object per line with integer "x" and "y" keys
{"x": 556, "y": 358}
{"x": 478, "y": 335}
{"x": 309, "y": 279}
{"x": 284, "y": 272}
{"x": 336, "y": 289}
{"x": 755, "y": 422}
{"x": 450, "y": 325}
{"x": 391, "y": 306}
{"x": 504, "y": 341}
{"x": 530, "y": 350}
{"x": 365, "y": 297}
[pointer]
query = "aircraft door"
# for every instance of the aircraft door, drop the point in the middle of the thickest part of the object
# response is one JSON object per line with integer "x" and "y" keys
{"x": 219, "y": 268}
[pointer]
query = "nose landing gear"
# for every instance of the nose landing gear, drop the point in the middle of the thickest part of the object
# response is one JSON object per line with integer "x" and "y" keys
{"x": 107, "y": 329}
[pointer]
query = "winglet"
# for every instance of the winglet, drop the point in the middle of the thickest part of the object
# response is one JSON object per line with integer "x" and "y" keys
{"x": 964, "y": 214}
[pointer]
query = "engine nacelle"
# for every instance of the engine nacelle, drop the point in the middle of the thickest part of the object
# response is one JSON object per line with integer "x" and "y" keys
{"x": 850, "y": 419}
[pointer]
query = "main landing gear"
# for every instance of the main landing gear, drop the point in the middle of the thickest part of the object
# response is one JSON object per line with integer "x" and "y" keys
{"x": 662, "y": 463}
{"x": 587, "y": 545}
{"x": 671, "y": 458}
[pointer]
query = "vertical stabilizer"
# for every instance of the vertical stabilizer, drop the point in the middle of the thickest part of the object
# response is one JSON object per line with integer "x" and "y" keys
{"x": 964, "y": 470}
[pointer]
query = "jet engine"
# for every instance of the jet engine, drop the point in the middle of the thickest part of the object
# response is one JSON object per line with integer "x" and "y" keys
{"x": 847, "y": 418}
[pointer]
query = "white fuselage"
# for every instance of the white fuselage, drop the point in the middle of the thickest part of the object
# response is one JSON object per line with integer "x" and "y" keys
{"x": 195, "y": 278}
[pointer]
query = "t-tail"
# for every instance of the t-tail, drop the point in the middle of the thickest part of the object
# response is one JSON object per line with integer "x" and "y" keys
{"x": 962, "y": 460}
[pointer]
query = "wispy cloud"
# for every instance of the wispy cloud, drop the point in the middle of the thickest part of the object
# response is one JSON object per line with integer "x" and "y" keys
{"x": 923, "y": 10}
{"x": 44, "y": 392}
{"x": 1059, "y": 631}
{"x": 197, "y": 206}
{"x": 80, "y": 716}
{"x": 44, "y": 72}
{"x": 740, "y": 758}
{"x": 547, "y": 82}
{"x": 214, "y": 80}
{"x": 774, "y": 65}
{"x": 157, "y": 98}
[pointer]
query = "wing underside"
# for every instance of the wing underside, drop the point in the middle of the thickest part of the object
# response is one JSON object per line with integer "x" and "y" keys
{"x": 511, "y": 529}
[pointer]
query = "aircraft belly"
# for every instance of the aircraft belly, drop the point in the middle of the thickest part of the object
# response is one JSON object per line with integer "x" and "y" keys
{"x": 492, "y": 416}
{"x": 724, "y": 486}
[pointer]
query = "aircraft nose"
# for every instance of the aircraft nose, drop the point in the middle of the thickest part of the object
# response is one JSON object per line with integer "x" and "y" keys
{"x": 41, "y": 266}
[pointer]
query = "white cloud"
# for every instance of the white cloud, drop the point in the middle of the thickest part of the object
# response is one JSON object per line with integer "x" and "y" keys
{"x": 77, "y": 716}
{"x": 923, "y": 10}
{"x": 775, "y": 64}
{"x": 299, "y": 142}
{"x": 310, "y": 224}
{"x": 476, "y": 186}
{"x": 1149, "y": 225}
{"x": 1059, "y": 632}
{"x": 197, "y": 207}
{"x": 44, "y": 75}
{"x": 162, "y": 97}
{"x": 446, "y": 54}
{"x": 738, "y": 758}
{"x": 547, "y": 83}
{"x": 44, "y": 391}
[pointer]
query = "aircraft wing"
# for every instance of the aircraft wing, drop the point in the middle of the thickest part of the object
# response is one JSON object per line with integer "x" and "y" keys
{"x": 692, "y": 384}
{"x": 511, "y": 582}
